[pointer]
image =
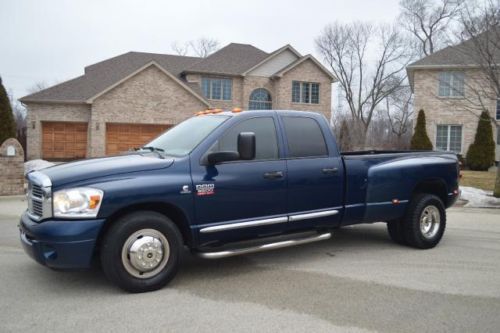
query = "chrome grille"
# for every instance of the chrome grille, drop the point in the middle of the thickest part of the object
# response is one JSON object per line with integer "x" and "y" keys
{"x": 36, "y": 191}
{"x": 37, "y": 207}
{"x": 39, "y": 196}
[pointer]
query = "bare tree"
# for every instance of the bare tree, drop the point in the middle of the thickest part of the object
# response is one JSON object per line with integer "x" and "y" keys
{"x": 367, "y": 73}
{"x": 201, "y": 47}
{"x": 480, "y": 26}
{"x": 399, "y": 110}
{"x": 181, "y": 49}
{"x": 429, "y": 22}
{"x": 38, "y": 86}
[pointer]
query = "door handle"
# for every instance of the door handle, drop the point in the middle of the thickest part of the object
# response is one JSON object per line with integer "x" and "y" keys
{"x": 329, "y": 171}
{"x": 273, "y": 175}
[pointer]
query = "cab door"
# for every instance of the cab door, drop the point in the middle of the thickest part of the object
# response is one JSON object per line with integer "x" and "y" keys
{"x": 242, "y": 199}
{"x": 315, "y": 174}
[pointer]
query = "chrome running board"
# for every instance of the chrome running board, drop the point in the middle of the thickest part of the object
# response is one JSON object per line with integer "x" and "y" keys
{"x": 264, "y": 247}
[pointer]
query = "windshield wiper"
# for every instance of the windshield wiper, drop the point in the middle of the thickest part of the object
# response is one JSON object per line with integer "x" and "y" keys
{"x": 157, "y": 150}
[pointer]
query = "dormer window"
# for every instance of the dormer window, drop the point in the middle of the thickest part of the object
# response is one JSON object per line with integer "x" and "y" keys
{"x": 451, "y": 84}
{"x": 217, "y": 88}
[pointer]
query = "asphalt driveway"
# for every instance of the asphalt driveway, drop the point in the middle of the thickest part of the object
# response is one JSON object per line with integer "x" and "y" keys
{"x": 358, "y": 281}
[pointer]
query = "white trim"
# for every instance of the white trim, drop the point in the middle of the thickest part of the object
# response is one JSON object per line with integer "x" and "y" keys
{"x": 274, "y": 54}
{"x": 281, "y": 72}
{"x": 149, "y": 64}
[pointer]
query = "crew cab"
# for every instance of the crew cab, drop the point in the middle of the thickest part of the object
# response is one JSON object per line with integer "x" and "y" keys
{"x": 224, "y": 184}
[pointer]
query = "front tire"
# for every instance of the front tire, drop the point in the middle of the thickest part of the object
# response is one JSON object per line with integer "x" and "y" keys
{"x": 425, "y": 221}
{"x": 140, "y": 252}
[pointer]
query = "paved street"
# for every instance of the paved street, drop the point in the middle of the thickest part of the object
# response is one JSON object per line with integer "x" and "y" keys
{"x": 359, "y": 281}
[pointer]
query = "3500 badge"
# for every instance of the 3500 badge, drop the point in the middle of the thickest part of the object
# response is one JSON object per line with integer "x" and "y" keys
{"x": 205, "y": 189}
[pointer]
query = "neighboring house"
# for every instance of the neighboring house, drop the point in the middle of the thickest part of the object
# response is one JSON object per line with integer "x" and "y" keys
{"x": 125, "y": 101}
{"x": 452, "y": 89}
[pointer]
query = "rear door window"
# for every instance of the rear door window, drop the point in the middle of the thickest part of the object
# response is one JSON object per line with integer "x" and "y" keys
{"x": 304, "y": 137}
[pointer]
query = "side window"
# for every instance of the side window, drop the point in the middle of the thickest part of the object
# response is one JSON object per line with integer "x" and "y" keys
{"x": 304, "y": 137}
{"x": 266, "y": 142}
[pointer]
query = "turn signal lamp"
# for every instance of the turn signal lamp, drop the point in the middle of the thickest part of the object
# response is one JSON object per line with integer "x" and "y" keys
{"x": 237, "y": 110}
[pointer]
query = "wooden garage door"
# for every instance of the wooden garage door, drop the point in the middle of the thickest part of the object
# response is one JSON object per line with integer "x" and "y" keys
{"x": 64, "y": 140}
{"x": 123, "y": 137}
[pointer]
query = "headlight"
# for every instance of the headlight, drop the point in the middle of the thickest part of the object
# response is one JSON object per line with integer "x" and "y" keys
{"x": 79, "y": 202}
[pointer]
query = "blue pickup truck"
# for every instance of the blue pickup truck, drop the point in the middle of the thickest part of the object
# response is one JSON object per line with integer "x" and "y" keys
{"x": 224, "y": 184}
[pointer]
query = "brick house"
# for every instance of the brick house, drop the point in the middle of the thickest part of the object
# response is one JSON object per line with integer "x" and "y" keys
{"x": 125, "y": 101}
{"x": 447, "y": 85}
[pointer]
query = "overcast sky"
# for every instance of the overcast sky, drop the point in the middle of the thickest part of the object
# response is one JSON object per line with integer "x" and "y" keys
{"x": 53, "y": 40}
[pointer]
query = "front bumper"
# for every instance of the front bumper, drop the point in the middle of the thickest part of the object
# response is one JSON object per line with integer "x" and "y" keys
{"x": 60, "y": 244}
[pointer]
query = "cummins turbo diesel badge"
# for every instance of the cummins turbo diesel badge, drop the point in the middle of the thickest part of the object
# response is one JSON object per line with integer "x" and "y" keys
{"x": 205, "y": 189}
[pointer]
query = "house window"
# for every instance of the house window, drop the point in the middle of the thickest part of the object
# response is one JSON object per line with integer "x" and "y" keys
{"x": 451, "y": 84}
{"x": 449, "y": 138}
{"x": 498, "y": 135}
{"x": 220, "y": 89}
{"x": 305, "y": 92}
{"x": 260, "y": 99}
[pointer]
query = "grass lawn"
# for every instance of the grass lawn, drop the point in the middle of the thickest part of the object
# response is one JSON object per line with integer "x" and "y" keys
{"x": 480, "y": 179}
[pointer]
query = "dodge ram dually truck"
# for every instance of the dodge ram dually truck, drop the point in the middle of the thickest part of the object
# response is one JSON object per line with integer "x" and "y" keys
{"x": 228, "y": 183}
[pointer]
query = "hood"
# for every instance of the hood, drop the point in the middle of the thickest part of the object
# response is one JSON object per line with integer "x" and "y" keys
{"x": 100, "y": 167}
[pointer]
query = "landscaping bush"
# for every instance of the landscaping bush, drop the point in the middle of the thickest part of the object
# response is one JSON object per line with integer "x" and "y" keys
{"x": 481, "y": 154}
{"x": 420, "y": 139}
{"x": 7, "y": 123}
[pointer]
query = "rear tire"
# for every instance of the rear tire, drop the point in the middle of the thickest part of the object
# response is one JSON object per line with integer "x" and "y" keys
{"x": 425, "y": 221}
{"x": 140, "y": 252}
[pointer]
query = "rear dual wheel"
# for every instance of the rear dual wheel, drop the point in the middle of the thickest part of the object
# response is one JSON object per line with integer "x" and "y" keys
{"x": 423, "y": 224}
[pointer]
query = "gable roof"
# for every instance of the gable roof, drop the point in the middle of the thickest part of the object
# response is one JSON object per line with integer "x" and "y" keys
{"x": 233, "y": 59}
{"x": 294, "y": 64}
{"x": 462, "y": 55}
{"x": 106, "y": 73}
{"x": 154, "y": 64}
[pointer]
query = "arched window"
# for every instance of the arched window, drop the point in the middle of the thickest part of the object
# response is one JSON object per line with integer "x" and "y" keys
{"x": 260, "y": 99}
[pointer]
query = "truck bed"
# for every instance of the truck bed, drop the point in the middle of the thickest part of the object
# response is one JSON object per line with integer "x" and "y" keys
{"x": 379, "y": 184}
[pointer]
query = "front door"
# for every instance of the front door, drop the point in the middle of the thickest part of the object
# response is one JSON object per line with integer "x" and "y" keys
{"x": 315, "y": 182}
{"x": 242, "y": 199}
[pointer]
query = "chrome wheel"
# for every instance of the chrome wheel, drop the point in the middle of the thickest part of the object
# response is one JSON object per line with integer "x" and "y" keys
{"x": 429, "y": 221}
{"x": 145, "y": 253}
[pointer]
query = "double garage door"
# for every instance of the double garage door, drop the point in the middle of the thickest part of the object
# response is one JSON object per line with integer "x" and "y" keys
{"x": 64, "y": 141}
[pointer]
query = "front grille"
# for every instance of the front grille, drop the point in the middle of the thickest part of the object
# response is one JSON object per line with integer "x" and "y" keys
{"x": 37, "y": 207}
{"x": 39, "y": 196}
{"x": 36, "y": 191}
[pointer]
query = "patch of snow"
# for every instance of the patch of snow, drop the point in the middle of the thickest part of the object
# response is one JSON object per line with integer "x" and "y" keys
{"x": 36, "y": 165}
{"x": 478, "y": 198}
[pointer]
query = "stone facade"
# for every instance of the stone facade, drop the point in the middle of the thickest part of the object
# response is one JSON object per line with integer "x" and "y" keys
{"x": 306, "y": 71}
{"x": 12, "y": 168}
{"x": 452, "y": 110}
{"x": 150, "y": 97}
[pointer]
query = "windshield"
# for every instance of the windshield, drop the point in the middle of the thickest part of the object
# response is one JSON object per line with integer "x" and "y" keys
{"x": 183, "y": 138}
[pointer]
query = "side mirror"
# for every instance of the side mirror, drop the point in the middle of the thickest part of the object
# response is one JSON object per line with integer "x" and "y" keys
{"x": 246, "y": 145}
